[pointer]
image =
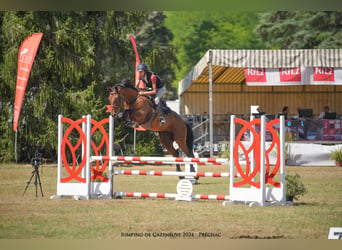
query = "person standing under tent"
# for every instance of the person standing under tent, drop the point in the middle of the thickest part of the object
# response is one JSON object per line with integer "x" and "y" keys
{"x": 324, "y": 112}
{"x": 284, "y": 112}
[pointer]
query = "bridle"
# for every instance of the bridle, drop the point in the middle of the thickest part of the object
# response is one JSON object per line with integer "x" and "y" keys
{"x": 113, "y": 104}
{"x": 116, "y": 91}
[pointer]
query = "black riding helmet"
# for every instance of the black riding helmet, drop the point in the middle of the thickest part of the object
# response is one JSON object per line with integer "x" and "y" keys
{"x": 142, "y": 67}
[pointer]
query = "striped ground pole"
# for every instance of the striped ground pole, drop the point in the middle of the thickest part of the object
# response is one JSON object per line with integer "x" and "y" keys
{"x": 168, "y": 195}
{"x": 161, "y": 160}
{"x": 172, "y": 173}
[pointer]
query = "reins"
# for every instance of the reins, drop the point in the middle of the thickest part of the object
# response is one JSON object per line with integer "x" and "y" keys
{"x": 131, "y": 103}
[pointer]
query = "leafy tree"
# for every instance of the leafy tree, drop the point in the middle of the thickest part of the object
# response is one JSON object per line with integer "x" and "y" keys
{"x": 80, "y": 54}
{"x": 197, "y": 31}
{"x": 300, "y": 29}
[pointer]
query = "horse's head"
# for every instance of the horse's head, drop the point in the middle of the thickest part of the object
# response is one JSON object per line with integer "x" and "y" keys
{"x": 124, "y": 91}
{"x": 115, "y": 100}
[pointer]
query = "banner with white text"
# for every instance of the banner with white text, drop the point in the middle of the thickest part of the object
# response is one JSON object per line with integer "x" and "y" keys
{"x": 293, "y": 76}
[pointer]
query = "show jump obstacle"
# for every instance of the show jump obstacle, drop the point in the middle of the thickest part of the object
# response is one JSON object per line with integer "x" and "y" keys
{"x": 260, "y": 183}
{"x": 92, "y": 176}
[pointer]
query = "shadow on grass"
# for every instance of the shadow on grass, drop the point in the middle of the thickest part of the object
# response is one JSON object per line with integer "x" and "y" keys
{"x": 209, "y": 183}
{"x": 258, "y": 237}
{"x": 305, "y": 204}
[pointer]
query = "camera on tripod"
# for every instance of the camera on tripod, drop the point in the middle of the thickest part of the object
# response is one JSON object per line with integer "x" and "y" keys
{"x": 36, "y": 161}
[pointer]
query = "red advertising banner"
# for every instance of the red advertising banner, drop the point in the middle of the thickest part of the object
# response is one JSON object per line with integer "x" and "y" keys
{"x": 27, "y": 53}
{"x": 293, "y": 76}
{"x": 324, "y": 74}
{"x": 290, "y": 75}
{"x": 255, "y": 74}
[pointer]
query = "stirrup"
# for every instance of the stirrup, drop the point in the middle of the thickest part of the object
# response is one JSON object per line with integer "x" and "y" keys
{"x": 162, "y": 121}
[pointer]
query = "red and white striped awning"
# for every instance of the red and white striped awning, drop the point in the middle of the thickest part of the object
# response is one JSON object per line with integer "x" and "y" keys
{"x": 316, "y": 66}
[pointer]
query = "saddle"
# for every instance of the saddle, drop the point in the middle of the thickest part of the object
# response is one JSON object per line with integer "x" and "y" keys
{"x": 165, "y": 108}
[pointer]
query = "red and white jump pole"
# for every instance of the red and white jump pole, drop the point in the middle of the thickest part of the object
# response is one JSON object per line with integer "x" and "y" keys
{"x": 169, "y": 195}
{"x": 173, "y": 173}
{"x": 161, "y": 160}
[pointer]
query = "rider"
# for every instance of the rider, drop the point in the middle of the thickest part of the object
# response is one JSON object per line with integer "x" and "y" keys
{"x": 153, "y": 82}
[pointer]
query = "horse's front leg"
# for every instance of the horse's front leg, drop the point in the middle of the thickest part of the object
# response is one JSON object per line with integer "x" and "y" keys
{"x": 127, "y": 119}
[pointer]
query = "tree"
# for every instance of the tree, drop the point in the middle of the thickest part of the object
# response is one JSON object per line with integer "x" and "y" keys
{"x": 80, "y": 54}
{"x": 197, "y": 31}
{"x": 300, "y": 29}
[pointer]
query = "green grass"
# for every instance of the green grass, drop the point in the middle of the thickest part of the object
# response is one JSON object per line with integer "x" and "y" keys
{"x": 30, "y": 217}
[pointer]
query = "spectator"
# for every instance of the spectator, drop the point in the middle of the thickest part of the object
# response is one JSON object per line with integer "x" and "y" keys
{"x": 259, "y": 112}
{"x": 284, "y": 112}
{"x": 325, "y": 111}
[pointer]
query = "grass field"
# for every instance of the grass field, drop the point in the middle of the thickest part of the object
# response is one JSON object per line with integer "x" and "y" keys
{"x": 30, "y": 217}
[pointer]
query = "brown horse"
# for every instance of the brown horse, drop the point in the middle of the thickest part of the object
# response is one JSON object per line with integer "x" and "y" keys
{"x": 140, "y": 110}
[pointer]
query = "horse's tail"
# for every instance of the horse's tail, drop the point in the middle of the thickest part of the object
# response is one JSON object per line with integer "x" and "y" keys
{"x": 189, "y": 139}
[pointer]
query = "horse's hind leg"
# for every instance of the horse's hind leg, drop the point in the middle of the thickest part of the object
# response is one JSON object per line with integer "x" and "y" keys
{"x": 166, "y": 139}
{"x": 183, "y": 146}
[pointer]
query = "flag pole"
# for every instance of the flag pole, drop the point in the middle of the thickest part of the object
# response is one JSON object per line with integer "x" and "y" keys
{"x": 134, "y": 143}
{"x": 15, "y": 146}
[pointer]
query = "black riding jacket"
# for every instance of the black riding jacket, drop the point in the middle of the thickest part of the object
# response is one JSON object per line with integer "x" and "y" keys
{"x": 148, "y": 82}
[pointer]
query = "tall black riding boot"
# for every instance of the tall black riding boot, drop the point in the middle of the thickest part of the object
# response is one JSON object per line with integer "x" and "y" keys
{"x": 162, "y": 120}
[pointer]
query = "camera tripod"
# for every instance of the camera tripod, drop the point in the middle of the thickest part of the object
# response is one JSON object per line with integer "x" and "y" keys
{"x": 35, "y": 174}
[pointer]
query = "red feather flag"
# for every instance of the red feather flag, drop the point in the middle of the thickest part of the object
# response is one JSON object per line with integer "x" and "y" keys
{"x": 137, "y": 62}
{"x": 27, "y": 53}
{"x": 109, "y": 108}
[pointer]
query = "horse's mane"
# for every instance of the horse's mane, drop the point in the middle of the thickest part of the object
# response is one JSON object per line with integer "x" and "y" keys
{"x": 126, "y": 84}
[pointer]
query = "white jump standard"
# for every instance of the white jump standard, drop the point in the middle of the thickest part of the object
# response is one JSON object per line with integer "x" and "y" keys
{"x": 249, "y": 190}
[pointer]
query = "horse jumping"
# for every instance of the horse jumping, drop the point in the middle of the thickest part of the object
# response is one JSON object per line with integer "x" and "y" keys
{"x": 139, "y": 109}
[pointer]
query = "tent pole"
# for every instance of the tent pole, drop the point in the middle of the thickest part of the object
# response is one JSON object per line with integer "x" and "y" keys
{"x": 180, "y": 105}
{"x": 211, "y": 140}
